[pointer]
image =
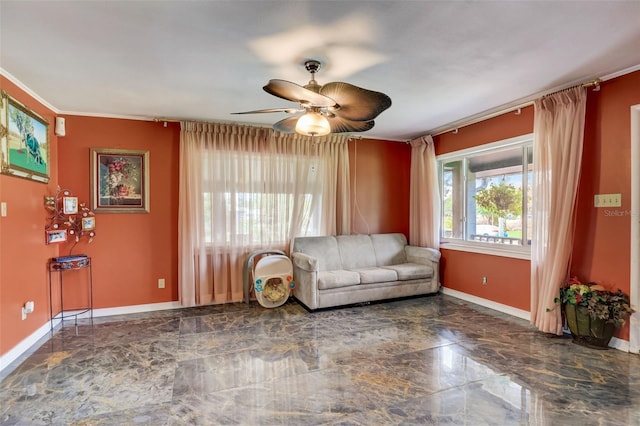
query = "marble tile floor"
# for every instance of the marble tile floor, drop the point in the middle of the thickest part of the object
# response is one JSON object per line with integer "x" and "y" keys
{"x": 422, "y": 361}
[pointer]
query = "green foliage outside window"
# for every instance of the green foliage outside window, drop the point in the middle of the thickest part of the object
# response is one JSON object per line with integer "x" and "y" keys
{"x": 501, "y": 200}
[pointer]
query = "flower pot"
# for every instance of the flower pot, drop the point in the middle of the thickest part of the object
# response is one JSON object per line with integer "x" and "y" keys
{"x": 587, "y": 331}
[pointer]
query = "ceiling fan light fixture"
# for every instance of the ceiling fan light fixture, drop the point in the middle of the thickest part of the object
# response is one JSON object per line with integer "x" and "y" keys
{"x": 336, "y": 107}
{"x": 313, "y": 124}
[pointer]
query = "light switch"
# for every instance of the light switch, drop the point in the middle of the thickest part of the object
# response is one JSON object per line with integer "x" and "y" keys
{"x": 607, "y": 200}
{"x": 3, "y": 209}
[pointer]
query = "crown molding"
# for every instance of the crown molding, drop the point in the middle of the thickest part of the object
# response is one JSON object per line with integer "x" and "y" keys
{"x": 26, "y": 89}
{"x": 621, "y": 73}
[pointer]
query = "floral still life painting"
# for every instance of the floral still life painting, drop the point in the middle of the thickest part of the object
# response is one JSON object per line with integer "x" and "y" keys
{"x": 120, "y": 181}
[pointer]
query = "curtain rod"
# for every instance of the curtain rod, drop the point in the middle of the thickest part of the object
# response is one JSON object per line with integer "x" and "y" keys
{"x": 595, "y": 83}
{"x": 173, "y": 120}
{"x": 165, "y": 120}
{"x": 487, "y": 115}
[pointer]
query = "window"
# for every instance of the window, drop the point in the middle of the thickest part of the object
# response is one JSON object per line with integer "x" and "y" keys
{"x": 246, "y": 221}
{"x": 279, "y": 190}
{"x": 486, "y": 195}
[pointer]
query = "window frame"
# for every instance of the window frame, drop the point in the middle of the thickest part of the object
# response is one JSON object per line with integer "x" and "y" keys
{"x": 459, "y": 244}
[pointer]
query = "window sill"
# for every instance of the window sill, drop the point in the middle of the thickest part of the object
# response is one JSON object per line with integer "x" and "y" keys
{"x": 503, "y": 250}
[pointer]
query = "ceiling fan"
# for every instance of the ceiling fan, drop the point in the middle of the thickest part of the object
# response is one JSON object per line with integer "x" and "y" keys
{"x": 332, "y": 108}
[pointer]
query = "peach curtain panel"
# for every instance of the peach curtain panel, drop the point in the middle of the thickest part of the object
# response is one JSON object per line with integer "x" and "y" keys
{"x": 244, "y": 189}
{"x": 558, "y": 134}
{"x": 424, "y": 198}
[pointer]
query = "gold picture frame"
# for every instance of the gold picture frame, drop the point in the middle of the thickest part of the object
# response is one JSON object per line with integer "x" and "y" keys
{"x": 119, "y": 181}
{"x": 88, "y": 223}
{"x": 24, "y": 140}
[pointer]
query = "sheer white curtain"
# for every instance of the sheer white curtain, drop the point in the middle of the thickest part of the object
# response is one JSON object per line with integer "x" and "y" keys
{"x": 424, "y": 198}
{"x": 558, "y": 134}
{"x": 244, "y": 189}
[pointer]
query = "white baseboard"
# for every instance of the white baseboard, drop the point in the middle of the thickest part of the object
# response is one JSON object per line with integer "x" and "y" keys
{"x": 18, "y": 350}
{"x": 615, "y": 343}
{"x": 525, "y": 315}
{"x": 621, "y": 345}
{"x": 14, "y": 353}
{"x": 135, "y": 309}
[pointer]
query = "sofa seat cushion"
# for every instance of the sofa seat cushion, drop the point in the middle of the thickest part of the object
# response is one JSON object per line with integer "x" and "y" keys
{"x": 376, "y": 275}
{"x": 337, "y": 279}
{"x": 411, "y": 271}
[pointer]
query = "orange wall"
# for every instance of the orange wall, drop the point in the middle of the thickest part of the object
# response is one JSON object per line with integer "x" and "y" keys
{"x": 131, "y": 251}
{"x": 380, "y": 174}
{"x": 495, "y": 129}
{"x": 508, "y": 280}
{"x": 601, "y": 250}
{"x": 23, "y": 253}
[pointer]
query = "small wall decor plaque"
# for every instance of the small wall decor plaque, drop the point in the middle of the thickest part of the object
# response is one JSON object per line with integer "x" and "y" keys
{"x": 88, "y": 223}
{"x": 56, "y": 236}
{"x": 70, "y": 205}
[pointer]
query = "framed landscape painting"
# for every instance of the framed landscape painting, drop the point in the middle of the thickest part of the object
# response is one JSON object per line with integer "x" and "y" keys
{"x": 24, "y": 136}
{"x": 119, "y": 181}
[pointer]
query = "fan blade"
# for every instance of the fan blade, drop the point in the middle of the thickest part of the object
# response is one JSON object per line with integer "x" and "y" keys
{"x": 288, "y": 125}
{"x": 356, "y": 103}
{"x": 260, "y": 111}
{"x": 295, "y": 93}
{"x": 342, "y": 125}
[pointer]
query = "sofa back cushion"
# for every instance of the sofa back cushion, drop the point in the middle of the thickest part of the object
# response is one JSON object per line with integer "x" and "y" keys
{"x": 356, "y": 251}
{"x": 325, "y": 249}
{"x": 389, "y": 249}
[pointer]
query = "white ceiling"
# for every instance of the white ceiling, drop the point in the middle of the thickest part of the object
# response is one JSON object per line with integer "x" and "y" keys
{"x": 439, "y": 61}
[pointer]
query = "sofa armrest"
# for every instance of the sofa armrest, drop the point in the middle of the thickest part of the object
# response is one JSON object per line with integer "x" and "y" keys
{"x": 423, "y": 255}
{"x": 305, "y": 262}
{"x": 305, "y": 275}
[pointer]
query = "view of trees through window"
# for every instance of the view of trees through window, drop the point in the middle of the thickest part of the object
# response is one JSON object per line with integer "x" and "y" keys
{"x": 486, "y": 194}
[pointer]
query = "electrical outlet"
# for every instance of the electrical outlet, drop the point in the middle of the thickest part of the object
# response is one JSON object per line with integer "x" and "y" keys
{"x": 161, "y": 283}
{"x": 3, "y": 209}
{"x": 484, "y": 280}
{"x": 27, "y": 309}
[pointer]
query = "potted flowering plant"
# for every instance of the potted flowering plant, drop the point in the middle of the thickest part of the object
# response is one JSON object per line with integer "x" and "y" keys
{"x": 593, "y": 312}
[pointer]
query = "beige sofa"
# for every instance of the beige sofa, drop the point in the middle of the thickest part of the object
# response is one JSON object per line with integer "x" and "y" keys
{"x": 347, "y": 269}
